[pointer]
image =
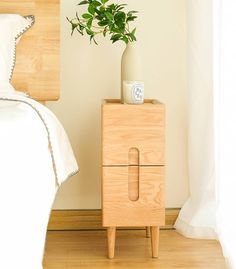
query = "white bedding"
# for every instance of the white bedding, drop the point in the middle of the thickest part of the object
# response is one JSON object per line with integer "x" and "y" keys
{"x": 35, "y": 158}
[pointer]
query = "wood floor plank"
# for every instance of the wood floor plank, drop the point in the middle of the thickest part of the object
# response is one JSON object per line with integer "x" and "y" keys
{"x": 88, "y": 250}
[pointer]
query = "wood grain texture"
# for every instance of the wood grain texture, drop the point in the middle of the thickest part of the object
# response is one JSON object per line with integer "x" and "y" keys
{"x": 88, "y": 250}
{"x": 119, "y": 210}
{"x": 133, "y": 166}
{"x": 148, "y": 231}
{"x": 133, "y": 156}
{"x": 37, "y": 59}
{"x": 92, "y": 220}
{"x": 154, "y": 240}
{"x": 133, "y": 174}
{"x": 133, "y": 183}
{"x": 75, "y": 219}
{"x": 133, "y": 126}
{"x": 111, "y": 239}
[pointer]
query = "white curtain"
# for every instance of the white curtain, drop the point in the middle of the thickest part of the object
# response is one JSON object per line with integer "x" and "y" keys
{"x": 225, "y": 123}
{"x": 209, "y": 211}
{"x": 197, "y": 218}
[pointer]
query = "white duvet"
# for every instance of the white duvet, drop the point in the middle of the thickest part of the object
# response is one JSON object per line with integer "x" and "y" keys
{"x": 35, "y": 158}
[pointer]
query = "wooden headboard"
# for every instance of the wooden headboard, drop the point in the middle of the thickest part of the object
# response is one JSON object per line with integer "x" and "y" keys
{"x": 37, "y": 57}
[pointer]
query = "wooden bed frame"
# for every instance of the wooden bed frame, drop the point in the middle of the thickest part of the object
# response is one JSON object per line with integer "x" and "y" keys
{"x": 37, "y": 57}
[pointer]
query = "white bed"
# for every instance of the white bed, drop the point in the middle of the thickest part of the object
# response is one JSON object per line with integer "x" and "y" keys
{"x": 35, "y": 158}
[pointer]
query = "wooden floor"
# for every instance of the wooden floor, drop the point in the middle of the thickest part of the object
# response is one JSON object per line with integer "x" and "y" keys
{"x": 87, "y": 249}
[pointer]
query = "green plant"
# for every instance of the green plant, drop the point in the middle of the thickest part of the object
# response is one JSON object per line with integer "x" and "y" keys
{"x": 106, "y": 19}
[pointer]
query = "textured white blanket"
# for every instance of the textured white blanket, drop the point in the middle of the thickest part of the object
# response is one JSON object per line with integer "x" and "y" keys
{"x": 35, "y": 154}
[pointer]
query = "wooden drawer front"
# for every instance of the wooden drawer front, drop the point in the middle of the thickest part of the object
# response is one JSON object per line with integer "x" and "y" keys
{"x": 119, "y": 210}
{"x": 133, "y": 126}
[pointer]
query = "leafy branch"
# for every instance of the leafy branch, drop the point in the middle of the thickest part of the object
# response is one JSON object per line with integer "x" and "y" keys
{"x": 106, "y": 19}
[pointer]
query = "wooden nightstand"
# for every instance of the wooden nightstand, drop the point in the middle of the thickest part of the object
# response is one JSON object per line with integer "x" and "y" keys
{"x": 133, "y": 168}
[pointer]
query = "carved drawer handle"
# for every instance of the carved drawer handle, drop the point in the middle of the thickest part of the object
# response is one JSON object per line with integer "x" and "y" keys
{"x": 133, "y": 174}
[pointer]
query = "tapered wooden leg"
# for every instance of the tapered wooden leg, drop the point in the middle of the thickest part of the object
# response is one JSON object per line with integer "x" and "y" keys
{"x": 147, "y": 231}
{"x": 111, "y": 239}
{"x": 155, "y": 241}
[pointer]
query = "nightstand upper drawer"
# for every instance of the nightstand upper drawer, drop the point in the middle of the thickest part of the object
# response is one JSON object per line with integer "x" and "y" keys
{"x": 125, "y": 127}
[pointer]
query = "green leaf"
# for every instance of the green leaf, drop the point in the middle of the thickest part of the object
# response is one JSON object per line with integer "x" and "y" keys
{"x": 96, "y": 3}
{"x": 113, "y": 41}
{"x": 87, "y": 16}
{"x": 95, "y": 41}
{"x": 89, "y": 32}
{"x": 91, "y": 9}
{"x": 103, "y": 23}
{"x": 83, "y": 3}
{"x": 125, "y": 39}
{"x": 73, "y": 26}
{"x": 112, "y": 7}
{"x": 81, "y": 27}
{"x": 102, "y": 8}
{"x": 111, "y": 27}
{"x": 120, "y": 8}
{"x": 98, "y": 12}
{"x": 122, "y": 5}
{"x": 117, "y": 30}
{"x": 115, "y": 37}
{"x": 89, "y": 23}
{"x": 131, "y": 18}
{"x": 133, "y": 32}
{"x": 131, "y": 37}
{"x": 78, "y": 30}
{"x": 104, "y": 1}
{"x": 109, "y": 16}
{"x": 120, "y": 25}
{"x": 99, "y": 18}
{"x": 120, "y": 16}
{"x": 130, "y": 13}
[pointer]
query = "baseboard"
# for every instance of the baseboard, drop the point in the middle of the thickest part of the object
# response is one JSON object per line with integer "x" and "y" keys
{"x": 92, "y": 219}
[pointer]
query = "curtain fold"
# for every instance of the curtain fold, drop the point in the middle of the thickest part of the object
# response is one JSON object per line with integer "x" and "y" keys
{"x": 225, "y": 123}
{"x": 209, "y": 211}
{"x": 197, "y": 218}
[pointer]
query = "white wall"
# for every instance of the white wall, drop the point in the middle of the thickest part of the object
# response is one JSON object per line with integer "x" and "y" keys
{"x": 90, "y": 73}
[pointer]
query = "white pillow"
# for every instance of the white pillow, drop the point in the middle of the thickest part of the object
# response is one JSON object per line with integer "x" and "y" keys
{"x": 12, "y": 26}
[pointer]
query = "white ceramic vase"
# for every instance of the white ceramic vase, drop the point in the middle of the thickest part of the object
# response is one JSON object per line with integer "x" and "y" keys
{"x": 132, "y": 82}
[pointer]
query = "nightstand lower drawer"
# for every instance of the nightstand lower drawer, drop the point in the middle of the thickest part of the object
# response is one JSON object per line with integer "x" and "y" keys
{"x": 120, "y": 210}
